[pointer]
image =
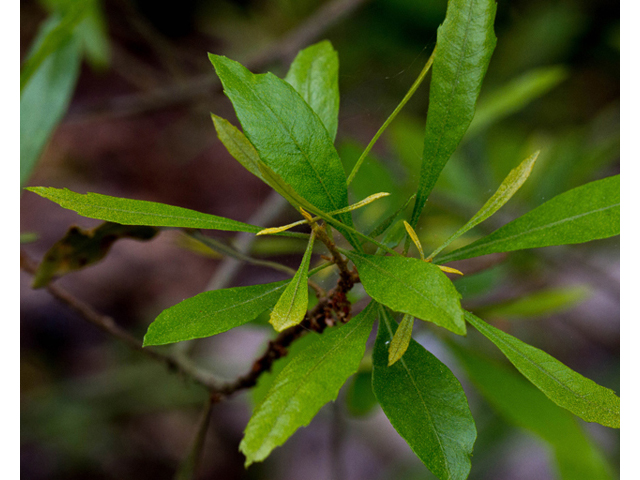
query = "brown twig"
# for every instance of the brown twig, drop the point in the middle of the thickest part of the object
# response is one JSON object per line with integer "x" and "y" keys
{"x": 185, "y": 91}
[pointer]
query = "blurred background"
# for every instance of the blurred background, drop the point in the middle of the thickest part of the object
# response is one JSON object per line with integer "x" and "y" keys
{"x": 121, "y": 107}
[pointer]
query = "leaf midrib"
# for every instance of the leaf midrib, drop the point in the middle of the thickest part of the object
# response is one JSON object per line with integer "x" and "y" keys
{"x": 464, "y": 251}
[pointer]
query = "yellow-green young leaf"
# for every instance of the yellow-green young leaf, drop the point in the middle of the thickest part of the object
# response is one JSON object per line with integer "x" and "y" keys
{"x": 238, "y": 145}
{"x": 525, "y": 406}
{"x": 401, "y": 339}
{"x": 310, "y": 380}
{"x": 292, "y": 305}
{"x": 565, "y": 387}
{"x": 463, "y": 50}
{"x": 314, "y": 75}
{"x": 141, "y": 212}
{"x": 586, "y": 213}
{"x": 81, "y": 248}
{"x": 214, "y": 312}
{"x": 412, "y": 286}
{"x": 505, "y": 191}
{"x": 426, "y": 405}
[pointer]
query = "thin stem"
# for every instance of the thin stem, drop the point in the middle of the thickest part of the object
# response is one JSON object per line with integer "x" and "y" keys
{"x": 393, "y": 115}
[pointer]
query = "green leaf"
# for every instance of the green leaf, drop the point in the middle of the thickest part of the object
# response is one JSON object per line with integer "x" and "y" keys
{"x": 463, "y": 50}
{"x": 210, "y": 313}
{"x": 545, "y": 302}
{"x": 314, "y": 75}
{"x": 310, "y": 380}
{"x": 45, "y": 99}
{"x": 412, "y": 286}
{"x": 515, "y": 95}
{"x": 586, "y": 213}
{"x": 526, "y": 407}
{"x": 426, "y": 405}
{"x": 505, "y": 191}
{"x": 386, "y": 223}
{"x": 141, "y": 212}
{"x": 401, "y": 339}
{"x": 80, "y": 248}
{"x": 238, "y": 145}
{"x": 292, "y": 305}
{"x": 288, "y": 136}
{"x": 569, "y": 389}
{"x": 360, "y": 399}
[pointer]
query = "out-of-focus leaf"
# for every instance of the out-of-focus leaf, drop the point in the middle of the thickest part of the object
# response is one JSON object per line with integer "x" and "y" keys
{"x": 288, "y": 136}
{"x": 412, "y": 286}
{"x": 463, "y": 50}
{"x": 292, "y": 305}
{"x": 310, "y": 380}
{"x": 314, "y": 75}
{"x": 401, "y": 339}
{"x": 565, "y": 387}
{"x": 541, "y": 303}
{"x": 525, "y": 406}
{"x": 387, "y": 222}
{"x": 92, "y": 31}
{"x": 81, "y": 248}
{"x": 141, "y": 212}
{"x": 586, "y": 213}
{"x": 211, "y": 313}
{"x": 45, "y": 98}
{"x": 28, "y": 237}
{"x": 505, "y": 191}
{"x": 425, "y": 403}
{"x": 360, "y": 399}
{"x": 515, "y": 95}
{"x": 238, "y": 145}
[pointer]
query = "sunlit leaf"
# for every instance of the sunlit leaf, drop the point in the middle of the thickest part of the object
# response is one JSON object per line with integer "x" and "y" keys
{"x": 238, "y": 145}
{"x": 401, "y": 339}
{"x": 310, "y": 380}
{"x": 412, "y": 286}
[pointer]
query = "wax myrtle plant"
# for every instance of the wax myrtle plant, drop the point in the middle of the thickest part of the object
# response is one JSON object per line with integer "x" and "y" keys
{"x": 287, "y": 140}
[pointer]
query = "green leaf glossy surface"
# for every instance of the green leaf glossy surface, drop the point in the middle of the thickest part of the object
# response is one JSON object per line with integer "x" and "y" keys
{"x": 565, "y": 387}
{"x": 292, "y": 305}
{"x": 314, "y": 75}
{"x": 522, "y": 404}
{"x": 141, "y": 212}
{"x": 309, "y": 381}
{"x": 210, "y": 313}
{"x": 586, "y": 213}
{"x": 426, "y": 405}
{"x": 412, "y": 286}
{"x": 463, "y": 50}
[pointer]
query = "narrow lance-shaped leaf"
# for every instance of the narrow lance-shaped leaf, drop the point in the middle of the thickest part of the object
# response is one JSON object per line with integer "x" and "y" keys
{"x": 522, "y": 404}
{"x": 314, "y": 75}
{"x": 288, "y": 136}
{"x": 141, "y": 212}
{"x": 426, "y": 405}
{"x": 505, "y": 191}
{"x": 292, "y": 305}
{"x": 565, "y": 387}
{"x": 463, "y": 50}
{"x": 412, "y": 286}
{"x": 238, "y": 145}
{"x": 586, "y": 213}
{"x": 310, "y": 380}
{"x": 401, "y": 339}
{"x": 210, "y": 313}
{"x": 45, "y": 98}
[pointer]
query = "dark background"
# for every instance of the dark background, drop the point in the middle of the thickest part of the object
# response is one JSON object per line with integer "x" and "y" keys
{"x": 92, "y": 409}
